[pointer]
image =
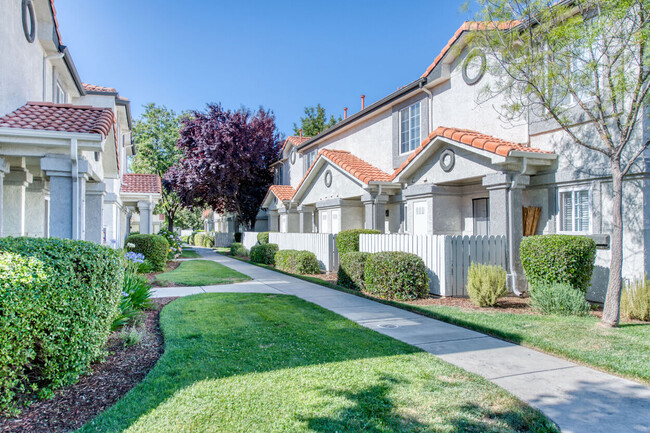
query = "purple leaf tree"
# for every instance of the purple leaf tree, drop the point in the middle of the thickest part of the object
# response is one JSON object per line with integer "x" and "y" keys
{"x": 226, "y": 163}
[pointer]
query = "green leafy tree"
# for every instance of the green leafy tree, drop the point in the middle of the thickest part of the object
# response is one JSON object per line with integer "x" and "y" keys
{"x": 155, "y": 135}
{"x": 189, "y": 218}
{"x": 314, "y": 122}
{"x": 583, "y": 66}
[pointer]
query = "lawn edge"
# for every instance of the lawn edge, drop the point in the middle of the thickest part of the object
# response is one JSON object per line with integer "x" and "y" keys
{"x": 505, "y": 336}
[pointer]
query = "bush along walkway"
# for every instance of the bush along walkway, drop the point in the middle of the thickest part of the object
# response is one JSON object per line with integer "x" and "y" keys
{"x": 577, "y": 398}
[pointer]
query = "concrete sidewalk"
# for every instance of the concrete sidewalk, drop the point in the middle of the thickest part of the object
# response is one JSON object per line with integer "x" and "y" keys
{"x": 577, "y": 398}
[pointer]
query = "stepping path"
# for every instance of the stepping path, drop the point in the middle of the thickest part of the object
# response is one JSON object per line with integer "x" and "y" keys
{"x": 577, "y": 398}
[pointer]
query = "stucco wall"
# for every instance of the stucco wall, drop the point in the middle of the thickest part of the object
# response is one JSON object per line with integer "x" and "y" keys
{"x": 342, "y": 187}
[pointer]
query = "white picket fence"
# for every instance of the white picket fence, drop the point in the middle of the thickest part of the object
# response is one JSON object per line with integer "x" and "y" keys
{"x": 323, "y": 245}
{"x": 249, "y": 240}
{"x": 223, "y": 239}
{"x": 447, "y": 258}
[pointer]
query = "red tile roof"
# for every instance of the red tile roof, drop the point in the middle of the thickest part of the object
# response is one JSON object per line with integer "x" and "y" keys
{"x": 56, "y": 22}
{"x": 470, "y": 138}
{"x": 293, "y": 139}
{"x": 141, "y": 183}
{"x": 282, "y": 192}
{"x": 467, "y": 26}
{"x": 60, "y": 117}
{"x": 98, "y": 89}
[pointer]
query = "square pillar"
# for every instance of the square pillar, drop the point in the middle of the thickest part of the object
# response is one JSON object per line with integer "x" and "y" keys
{"x": 67, "y": 196}
{"x": 145, "y": 209}
{"x": 306, "y": 218}
{"x": 95, "y": 193}
{"x": 14, "y": 196}
{"x": 375, "y": 207}
{"x": 37, "y": 204}
{"x": 4, "y": 168}
{"x": 274, "y": 221}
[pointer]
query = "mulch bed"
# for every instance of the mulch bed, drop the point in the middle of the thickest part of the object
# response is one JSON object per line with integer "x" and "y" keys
{"x": 106, "y": 383}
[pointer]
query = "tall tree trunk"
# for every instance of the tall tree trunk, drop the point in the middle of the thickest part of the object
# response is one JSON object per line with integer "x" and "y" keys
{"x": 612, "y": 307}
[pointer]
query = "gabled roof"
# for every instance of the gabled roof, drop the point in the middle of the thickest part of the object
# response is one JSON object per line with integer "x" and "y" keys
{"x": 136, "y": 183}
{"x": 466, "y": 26}
{"x": 60, "y": 117}
{"x": 282, "y": 192}
{"x": 293, "y": 139}
{"x": 473, "y": 139}
{"x": 92, "y": 88}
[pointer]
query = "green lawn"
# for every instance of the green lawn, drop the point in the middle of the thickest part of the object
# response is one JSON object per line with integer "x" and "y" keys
{"x": 201, "y": 273}
{"x": 624, "y": 351}
{"x": 269, "y": 363}
{"x": 189, "y": 253}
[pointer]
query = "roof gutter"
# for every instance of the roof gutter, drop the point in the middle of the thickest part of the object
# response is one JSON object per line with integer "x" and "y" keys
{"x": 374, "y": 107}
{"x": 73, "y": 69}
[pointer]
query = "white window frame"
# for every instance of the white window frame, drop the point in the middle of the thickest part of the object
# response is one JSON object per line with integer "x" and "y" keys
{"x": 279, "y": 174}
{"x": 560, "y": 219}
{"x": 418, "y": 125}
{"x": 60, "y": 97}
{"x": 309, "y": 158}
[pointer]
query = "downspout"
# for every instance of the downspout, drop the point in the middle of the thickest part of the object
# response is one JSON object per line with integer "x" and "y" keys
{"x": 45, "y": 59}
{"x": 511, "y": 227}
{"x": 75, "y": 188}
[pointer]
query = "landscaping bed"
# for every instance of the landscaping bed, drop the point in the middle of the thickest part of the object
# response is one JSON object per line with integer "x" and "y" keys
{"x": 106, "y": 383}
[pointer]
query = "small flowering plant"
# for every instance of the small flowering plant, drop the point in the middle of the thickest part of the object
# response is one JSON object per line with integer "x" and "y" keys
{"x": 175, "y": 243}
{"x": 134, "y": 257}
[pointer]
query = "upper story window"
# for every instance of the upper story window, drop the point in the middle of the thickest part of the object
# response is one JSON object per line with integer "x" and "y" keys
{"x": 309, "y": 159}
{"x": 409, "y": 125}
{"x": 575, "y": 210}
{"x": 279, "y": 175}
{"x": 59, "y": 94}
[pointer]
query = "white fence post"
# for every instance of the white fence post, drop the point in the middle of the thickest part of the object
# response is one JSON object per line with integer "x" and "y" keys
{"x": 323, "y": 245}
{"x": 249, "y": 240}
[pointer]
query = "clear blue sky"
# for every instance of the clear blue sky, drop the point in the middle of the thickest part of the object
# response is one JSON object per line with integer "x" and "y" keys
{"x": 283, "y": 55}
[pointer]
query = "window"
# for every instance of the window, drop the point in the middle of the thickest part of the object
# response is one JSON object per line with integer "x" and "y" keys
{"x": 409, "y": 121}
{"x": 575, "y": 211}
{"x": 279, "y": 175}
{"x": 309, "y": 159}
{"x": 59, "y": 94}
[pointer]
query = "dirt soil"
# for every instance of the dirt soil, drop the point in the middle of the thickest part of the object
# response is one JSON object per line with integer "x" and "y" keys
{"x": 96, "y": 391}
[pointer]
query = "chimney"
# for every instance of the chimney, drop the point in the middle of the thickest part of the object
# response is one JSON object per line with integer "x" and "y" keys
{"x": 345, "y": 113}
{"x": 363, "y": 101}
{"x": 300, "y": 132}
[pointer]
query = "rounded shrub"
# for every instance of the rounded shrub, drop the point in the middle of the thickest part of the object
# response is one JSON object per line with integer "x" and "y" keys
{"x": 190, "y": 239}
{"x": 558, "y": 298}
{"x": 155, "y": 249}
{"x": 199, "y": 238}
{"x": 396, "y": 275}
{"x": 347, "y": 241}
{"x": 208, "y": 241}
{"x": 351, "y": 270}
{"x": 68, "y": 297}
{"x": 237, "y": 249}
{"x": 486, "y": 284}
{"x": 297, "y": 262}
{"x": 263, "y": 238}
{"x": 264, "y": 253}
{"x": 549, "y": 259}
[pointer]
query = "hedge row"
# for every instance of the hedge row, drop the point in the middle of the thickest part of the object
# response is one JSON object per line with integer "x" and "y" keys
{"x": 298, "y": 262}
{"x": 396, "y": 275}
{"x": 351, "y": 270}
{"x": 58, "y": 298}
{"x": 264, "y": 253}
{"x": 155, "y": 249}
{"x": 347, "y": 241}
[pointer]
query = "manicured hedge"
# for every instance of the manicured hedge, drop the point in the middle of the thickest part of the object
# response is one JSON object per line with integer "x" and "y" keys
{"x": 199, "y": 238}
{"x": 263, "y": 238}
{"x": 297, "y": 262}
{"x": 155, "y": 249}
{"x": 208, "y": 241}
{"x": 549, "y": 259}
{"x": 347, "y": 241}
{"x": 351, "y": 270}
{"x": 560, "y": 299}
{"x": 396, "y": 275}
{"x": 237, "y": 249}
{"x": 264, "y": 253}
{"x": 58, "y": 298}
{"x": 190, "y": 240}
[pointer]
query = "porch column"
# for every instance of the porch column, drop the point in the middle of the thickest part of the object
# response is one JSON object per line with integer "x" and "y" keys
{"x": 306, "y": 215}
{"x": 274, "y": 225}
{"x": 67, "y": 196}
{"x": 506, "y": 219}
{"x": 145, "y": 209}
{"x": 37, "y": 197}
{"x": 95, "y": 211}
{"x": 4, "y": 168}
{"x": 375, "y": 211}
{"x": 15, "y": 195}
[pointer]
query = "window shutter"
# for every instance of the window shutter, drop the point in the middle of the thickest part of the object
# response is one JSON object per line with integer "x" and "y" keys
{"x": 566, "y": 222}
{"x": 582, "y": 211}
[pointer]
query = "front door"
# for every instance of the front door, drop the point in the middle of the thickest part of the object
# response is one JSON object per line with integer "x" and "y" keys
{"x": 420, "y": 218}
{"x": 481, "y": 212}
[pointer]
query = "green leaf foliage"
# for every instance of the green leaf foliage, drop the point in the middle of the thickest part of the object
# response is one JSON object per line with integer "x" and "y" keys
{"x": 198, "y": 239}
{"x": 347, "y": 241}
{"x": 263, "y": 238}
{"x": 635, "y": 300}
{"x": 396, "y": 275}
{"x": 264, "y": 253}
{"x": 58, "y": 298}
{"x": 237, "y": 249}
{"x": 549, "y": 259}
{"x": 351, "y": 270}
{"x": 486, "y": 284}
{"x": 208, "y": 241}
{"x": 315, "y": 122}
{"x": 297, "y": 262}
{"x": 560, "y": 299}
{"x": 155, "y": 249}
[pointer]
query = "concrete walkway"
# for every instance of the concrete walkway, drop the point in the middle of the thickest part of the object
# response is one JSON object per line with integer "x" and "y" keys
{"x": 577, "y": 398}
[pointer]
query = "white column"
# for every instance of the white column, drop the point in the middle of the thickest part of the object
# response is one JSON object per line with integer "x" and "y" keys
{"x": 15, "y": 185}
{"x": 36, "y": 204}
{"x": 95, "y": 211}
{"x": 145, "y": 209}
{"x": 375, "y": 211}
{"x": 4, "y": 168}
{"x": 306, "y": 214}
